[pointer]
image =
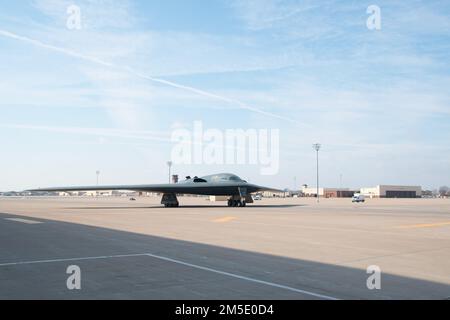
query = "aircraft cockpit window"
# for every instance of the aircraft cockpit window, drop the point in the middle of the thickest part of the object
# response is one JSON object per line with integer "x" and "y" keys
{"x": 224, "y": 178}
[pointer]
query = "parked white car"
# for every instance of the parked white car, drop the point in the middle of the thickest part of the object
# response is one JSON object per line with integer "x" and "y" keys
{"x": 357, "y": 197}
{"x": 257, "y": 197}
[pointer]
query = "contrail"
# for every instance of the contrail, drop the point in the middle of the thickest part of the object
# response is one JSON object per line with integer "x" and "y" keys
{"x": 101, "y": 132}
{"x": 129, "y": 70}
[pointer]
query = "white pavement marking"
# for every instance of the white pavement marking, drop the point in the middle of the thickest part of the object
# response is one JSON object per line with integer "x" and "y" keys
{"x": 70, "y": 260}
{"x": 27, "y": 221}
{"x": 267, "y": 283}
{"x": 276, "y": 285}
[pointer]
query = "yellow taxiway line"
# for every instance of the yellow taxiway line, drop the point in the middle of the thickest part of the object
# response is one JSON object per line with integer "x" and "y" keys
{"x": 225, "y": 219}
{"x": 425, "y": 225}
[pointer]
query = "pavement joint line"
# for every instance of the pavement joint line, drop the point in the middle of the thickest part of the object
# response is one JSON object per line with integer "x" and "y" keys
{"x": 236, "y": 276}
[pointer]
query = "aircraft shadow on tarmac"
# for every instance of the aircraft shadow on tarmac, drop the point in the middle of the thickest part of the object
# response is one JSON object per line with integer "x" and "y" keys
{"x": 185, "y": 207}
{"x": 175, "y": 269}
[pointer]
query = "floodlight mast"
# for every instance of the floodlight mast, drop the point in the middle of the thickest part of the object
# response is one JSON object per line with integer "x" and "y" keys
{"x": 169, "y": 164}
{"x": 317, "y": 147}
{"x": 98, "y": 175}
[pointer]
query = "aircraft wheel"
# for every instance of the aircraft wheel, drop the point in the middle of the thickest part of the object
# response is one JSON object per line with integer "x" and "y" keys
{"x": 171, "y": 205}
{"x": 244, "y": 204}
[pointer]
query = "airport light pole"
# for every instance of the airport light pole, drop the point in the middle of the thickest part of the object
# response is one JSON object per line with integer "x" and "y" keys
{"x": 169, "y": 164}
{"x": 98, "y": 175}
{"x": 317, "y": 147}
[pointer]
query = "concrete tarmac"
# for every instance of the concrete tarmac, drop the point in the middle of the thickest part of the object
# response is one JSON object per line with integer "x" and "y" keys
{"x": 273, "y": 249}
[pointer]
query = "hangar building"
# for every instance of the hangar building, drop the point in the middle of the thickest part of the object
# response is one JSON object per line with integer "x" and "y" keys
{"x": 385, "y": 191}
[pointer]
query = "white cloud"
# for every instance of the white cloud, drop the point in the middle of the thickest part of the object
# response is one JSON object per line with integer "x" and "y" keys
{"x": 161, "y": 136}
{"x": 265, "y": 14}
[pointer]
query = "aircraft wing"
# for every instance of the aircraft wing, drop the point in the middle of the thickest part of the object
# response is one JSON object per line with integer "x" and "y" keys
{"x": 270, "y": 190}
{"x": 180, "y": 188}
{"x": 160, "y": 188}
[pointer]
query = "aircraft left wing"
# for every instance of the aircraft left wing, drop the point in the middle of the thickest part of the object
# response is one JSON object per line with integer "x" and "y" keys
{"x": 162, "y": 188}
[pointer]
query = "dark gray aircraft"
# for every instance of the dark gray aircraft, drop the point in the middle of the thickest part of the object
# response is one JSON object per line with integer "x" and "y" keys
{"x": 224, "y": 184}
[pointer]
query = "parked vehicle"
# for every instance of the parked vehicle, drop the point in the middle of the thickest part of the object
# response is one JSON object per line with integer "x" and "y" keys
{"x": 357, "y": 197}
{"x": 257, "y": 197}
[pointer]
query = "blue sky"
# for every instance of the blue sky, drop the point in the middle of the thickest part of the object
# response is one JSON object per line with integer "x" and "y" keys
{"x": 74, "y": 101}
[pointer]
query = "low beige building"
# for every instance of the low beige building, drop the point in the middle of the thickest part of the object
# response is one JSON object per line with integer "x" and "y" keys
{"x": 272, "y": 194}
{"x": 218, "y": 198}
{"x": 327, "y": 192}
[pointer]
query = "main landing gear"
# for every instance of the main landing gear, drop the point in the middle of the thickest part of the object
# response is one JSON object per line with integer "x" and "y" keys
{"x": 169, "y": 200}
{"x": 238, "y": 201}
